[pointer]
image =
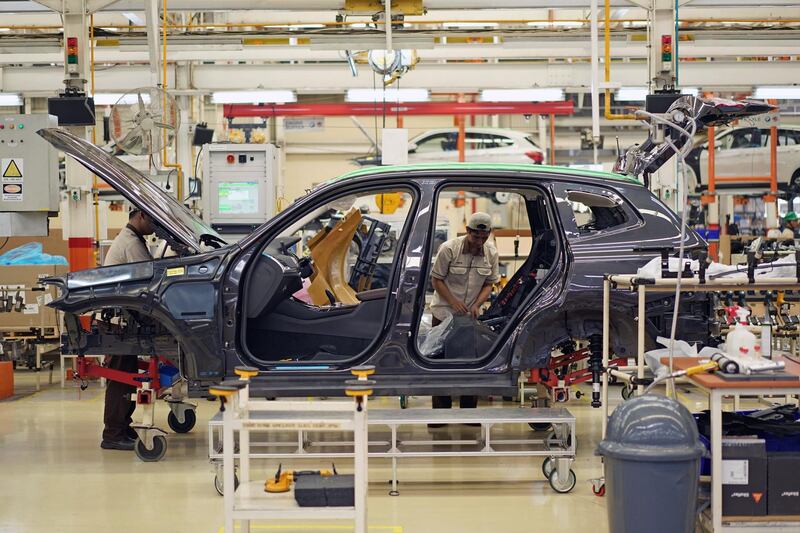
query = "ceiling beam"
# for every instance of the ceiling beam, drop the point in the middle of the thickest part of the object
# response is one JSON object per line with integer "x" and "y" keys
{"x": 332, "y": 78}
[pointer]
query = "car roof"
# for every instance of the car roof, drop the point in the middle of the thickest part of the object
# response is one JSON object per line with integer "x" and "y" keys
{"x": 499, "y": 131}
{"x": 494, "y": 167}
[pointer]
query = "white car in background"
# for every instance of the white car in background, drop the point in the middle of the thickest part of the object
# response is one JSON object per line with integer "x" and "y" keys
{"x": 481, "y": 145}
{"x": 745, "y": 152}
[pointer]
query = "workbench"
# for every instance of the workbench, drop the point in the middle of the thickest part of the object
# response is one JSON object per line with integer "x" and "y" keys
{"x": 717, "y": 388}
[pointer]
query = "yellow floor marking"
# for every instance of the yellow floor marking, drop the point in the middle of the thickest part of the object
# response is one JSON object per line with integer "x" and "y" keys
{"x": 318, "y": 527}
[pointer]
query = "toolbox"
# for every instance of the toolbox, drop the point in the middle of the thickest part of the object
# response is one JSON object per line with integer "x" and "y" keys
{"x": 783, "y": 484}
{"x": 315, "y": 490}
{"x": 744, "y": 477}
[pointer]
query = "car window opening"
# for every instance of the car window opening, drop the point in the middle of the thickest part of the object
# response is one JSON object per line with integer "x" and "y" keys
{"x": 318, "y": 291}
{"x": 518, "y": 252}
{"x": 595, "y": 212}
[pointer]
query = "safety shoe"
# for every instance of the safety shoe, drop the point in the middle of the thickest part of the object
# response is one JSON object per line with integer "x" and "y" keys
{"x": 124, "y": 444}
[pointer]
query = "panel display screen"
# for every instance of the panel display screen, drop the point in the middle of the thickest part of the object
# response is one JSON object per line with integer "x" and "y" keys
{"x": 238, "y": 198}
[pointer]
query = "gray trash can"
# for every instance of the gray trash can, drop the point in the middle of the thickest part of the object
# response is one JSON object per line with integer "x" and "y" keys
{"x": 652, "y": 463}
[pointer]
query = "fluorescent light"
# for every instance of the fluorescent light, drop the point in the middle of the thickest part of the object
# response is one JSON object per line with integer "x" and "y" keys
{"x": 135, "y": 18}
{"x": 253, "y": 97}
{"x": 561, "y": 23}
{"x": 631, "y": 94}
{"x": 456, "y": 25}
{"x": 691, "y": 91}
{"x": 114, "y": 98}
{"x": 388, "y": 95}
{"x": 10, "y": 99}
{"x": 547, "y": 94}
{"x": 786, "y": 92}
{"x": 306, "y": 26}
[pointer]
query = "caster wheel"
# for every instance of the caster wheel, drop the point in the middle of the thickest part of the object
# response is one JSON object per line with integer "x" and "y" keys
{"x": 547, "y": 467}
{"x": 553, "y": 443}
{"x": 539, "y": 426}
{"x": 403, "y": 402}
{"x": 218, "y": 484}
{"x": 189, "y": 420}
{"x": 627, "y": 392}
{"x": 562, "y": 487}
{"x": 599, "y": 491}
{"x": 154, "y": 454}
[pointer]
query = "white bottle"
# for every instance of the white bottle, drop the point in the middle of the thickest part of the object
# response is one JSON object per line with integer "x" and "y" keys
{"x": 740, "y": 342}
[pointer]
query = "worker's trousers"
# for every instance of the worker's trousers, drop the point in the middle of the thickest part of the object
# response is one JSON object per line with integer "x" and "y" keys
{"x": 119, "y": 406}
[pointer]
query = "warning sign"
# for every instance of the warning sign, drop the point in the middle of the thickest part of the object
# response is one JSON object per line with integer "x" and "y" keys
{"x": 11, "y": 170}
{"x": 12, "y": 192}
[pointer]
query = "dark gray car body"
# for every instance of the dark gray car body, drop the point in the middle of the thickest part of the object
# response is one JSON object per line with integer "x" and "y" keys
{"x": 196, "y": 301}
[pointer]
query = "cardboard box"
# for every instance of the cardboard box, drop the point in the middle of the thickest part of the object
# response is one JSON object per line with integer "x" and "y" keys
{"x": 35, "y": 313}
{"x": 783, "y": 483}
{"x": 744, "y": 477}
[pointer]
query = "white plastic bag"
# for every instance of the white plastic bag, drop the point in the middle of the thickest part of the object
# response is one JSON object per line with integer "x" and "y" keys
{"x": 434, "y": 340}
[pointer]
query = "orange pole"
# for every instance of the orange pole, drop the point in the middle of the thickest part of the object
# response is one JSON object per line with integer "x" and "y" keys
{"x": 461, "y": 135}
{"x": 552, "y": 139}
{"x": 712, "y": 177}
{"x": 399, "y": 121}
{"x": 773, "y": 160}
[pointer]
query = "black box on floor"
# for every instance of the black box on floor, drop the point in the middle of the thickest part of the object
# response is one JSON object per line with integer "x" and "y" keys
{"x": 783, "y": 485}
{"x": 744, "y": 477}
{"x": 314, "y": 490}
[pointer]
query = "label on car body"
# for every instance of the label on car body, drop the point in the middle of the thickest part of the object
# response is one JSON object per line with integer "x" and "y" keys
{"x": 176, "y": 271}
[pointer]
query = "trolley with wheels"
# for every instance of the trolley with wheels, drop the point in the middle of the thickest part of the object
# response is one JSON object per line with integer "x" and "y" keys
{"x": 151, "y": 442}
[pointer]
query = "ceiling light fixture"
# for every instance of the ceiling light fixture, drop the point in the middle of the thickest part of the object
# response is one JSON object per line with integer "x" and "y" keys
{"x": 544, "y": 94}
{"x": 777, "y": 92}
{"x": 253, "y": 97}
{"x": 388, "y": 95}
{"x": 10, "y": 99}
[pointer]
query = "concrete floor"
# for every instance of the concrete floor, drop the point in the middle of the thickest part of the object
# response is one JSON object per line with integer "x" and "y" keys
{"x": 55, "y": 477}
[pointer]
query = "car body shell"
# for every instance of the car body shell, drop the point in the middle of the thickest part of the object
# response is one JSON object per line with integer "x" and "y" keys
{"x": 192, "y": 304}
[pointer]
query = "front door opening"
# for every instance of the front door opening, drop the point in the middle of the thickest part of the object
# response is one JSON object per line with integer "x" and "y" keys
{"x": 318, "y": 291}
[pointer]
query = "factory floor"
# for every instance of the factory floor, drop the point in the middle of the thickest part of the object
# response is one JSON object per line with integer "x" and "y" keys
{"x": 55, "y": 477}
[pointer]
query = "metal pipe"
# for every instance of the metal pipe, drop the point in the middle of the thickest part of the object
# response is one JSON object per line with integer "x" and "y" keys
{"x": 607, "y": 103}
{"x": 164, "y": 162}
{"x": 595, "y": 82}
{"x": 95, "y": 191}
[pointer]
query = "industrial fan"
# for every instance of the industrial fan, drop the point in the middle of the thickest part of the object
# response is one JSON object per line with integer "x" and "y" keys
{"x": 144, "y": 121}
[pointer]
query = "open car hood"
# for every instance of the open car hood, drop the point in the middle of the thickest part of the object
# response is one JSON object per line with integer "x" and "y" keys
{"x": 182, "y": 230}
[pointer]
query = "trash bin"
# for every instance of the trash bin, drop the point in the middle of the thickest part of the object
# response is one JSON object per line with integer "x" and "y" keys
{"x": 652, "y": 466}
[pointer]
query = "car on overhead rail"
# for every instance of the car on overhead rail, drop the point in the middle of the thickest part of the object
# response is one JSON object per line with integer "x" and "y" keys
{"x": 481, "y": 145}
{"x": 300, "y": 298}
{"x": 743, "y": 152}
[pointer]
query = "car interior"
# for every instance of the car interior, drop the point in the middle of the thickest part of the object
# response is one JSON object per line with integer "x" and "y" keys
{"x": 526, "y": 243}
{"x": 317, "y": 292}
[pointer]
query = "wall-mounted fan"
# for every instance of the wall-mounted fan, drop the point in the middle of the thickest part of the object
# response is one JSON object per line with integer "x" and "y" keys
{"x": 144, "y": 121}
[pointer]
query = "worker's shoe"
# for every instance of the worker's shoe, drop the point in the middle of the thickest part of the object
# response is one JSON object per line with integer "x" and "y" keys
{"x": 131, "y": 433}
{"x": 124, "y": 444}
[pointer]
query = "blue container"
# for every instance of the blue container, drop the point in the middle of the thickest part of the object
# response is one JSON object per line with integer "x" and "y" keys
{"x": 167, "y": 375}
{"x": 774, "y": 443}
{"x": 709, "y": 234}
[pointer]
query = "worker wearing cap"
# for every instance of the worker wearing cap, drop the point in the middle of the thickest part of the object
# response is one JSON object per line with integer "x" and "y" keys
{"x": 792, "y": 222}
{"x": 465, "y": 270}
{"x": 129, "y": 246}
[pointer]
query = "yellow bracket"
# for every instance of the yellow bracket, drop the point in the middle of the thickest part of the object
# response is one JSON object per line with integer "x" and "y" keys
{"x": 370, "y": 7}
{"x": 362, "y": 372}
{"x": 245, "y": 373}
{"x": 223, "y": 392}
{"x": 357, "y": 393}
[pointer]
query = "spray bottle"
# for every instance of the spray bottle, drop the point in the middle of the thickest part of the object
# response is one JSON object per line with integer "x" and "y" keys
{"x": 740, "y": 342}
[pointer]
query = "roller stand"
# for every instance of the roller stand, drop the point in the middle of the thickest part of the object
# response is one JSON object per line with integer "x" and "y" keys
{"x": 151, "y": 444}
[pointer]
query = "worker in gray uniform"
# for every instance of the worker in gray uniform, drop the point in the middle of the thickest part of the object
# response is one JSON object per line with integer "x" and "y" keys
{"x": 465, "y": 270}
{"x": 128, "y": 247}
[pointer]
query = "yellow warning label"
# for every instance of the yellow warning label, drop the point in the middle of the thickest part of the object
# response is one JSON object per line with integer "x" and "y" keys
{"x": 12, "y": 170}
{"x": 177, "y": 271}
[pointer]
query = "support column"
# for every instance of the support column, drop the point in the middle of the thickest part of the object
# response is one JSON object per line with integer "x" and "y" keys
{"x": 79, "y": 223}
{"x": 183, "y": 141}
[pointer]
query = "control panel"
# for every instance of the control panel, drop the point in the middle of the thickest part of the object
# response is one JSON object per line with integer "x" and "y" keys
{"x": 28, "y": 175}
{"x": 240, "y": 185}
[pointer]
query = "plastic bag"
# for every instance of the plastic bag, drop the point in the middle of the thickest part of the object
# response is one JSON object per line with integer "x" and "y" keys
{"x": 434, "y": 340}
{"x": 30, "y": 254}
